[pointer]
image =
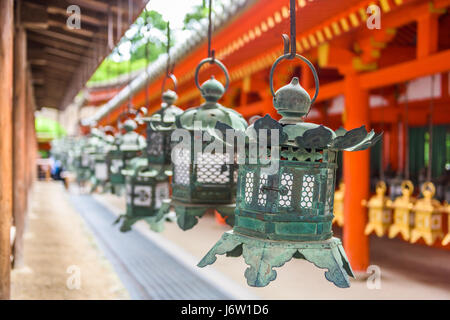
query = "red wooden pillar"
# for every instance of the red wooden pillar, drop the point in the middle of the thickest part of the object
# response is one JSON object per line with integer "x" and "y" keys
{"x": 19, "y": 142}
{"x": 356, "y": 177}
{"x": 6, "y": 94}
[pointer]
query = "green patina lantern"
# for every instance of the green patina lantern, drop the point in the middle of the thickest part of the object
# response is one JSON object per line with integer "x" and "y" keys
{"x": 101, "y": 169}
{"x": 202, "y": 179}
{"x": 147, "y": 179}
{"x": 86, "y": 157}
{"x": 126, "y": 147}
{"x": 160, "y": 126}
{"x": 146, "y": 188}
{"x": 287, "y": 212}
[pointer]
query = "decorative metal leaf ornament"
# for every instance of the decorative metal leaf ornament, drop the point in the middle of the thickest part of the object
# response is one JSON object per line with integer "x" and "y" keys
{"x": 318, "y": 138}
{"x": 268, "y": 123}
{"x": 350, "y": 138}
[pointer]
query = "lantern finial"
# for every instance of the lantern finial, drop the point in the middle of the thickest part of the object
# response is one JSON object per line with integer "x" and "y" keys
{"x": 292, "y": 102}
{"x": 130, "y": 125}
{"x": 169, "y": 97}
{"x": 212, "y": 90}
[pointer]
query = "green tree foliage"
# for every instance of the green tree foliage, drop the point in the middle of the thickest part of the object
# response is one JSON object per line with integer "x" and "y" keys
{"x": 147, "y": 43}
{"x": 200, "y": 12}
{"x": 146, "y": 46}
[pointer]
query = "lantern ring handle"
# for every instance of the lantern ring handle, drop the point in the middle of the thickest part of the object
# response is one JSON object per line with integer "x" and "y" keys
{"x": 174, "y": 80}
{"x": 429, "y": 186}
{"x": 212, "y": 61}
{"x": 310, "y": 65}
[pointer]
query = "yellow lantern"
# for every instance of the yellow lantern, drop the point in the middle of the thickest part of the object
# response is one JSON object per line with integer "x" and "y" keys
{"x": 403, "y": 216}
{"x": 446, "y": 240}
{"x": 380, "y": 215}
{"x": 338, "y": 209}
{"x": 428, "y": 216}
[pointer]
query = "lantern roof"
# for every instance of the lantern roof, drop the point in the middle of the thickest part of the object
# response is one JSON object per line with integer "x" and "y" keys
{"x": 209, "y": 114}
{"x": 131, "y": 140}
{"x": 140, "y": 166}
{"x": 164, "y": 118}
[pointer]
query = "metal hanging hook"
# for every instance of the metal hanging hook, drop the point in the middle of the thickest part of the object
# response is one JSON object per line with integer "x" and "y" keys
{"x": 292, "y": 43}
{"x": 211, "y": 59}
{"x": 169, "y": 67}
{"x": 211, "y": 54}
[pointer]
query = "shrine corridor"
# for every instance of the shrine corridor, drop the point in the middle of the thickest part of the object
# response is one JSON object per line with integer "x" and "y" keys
{"x": 74, "y": 230}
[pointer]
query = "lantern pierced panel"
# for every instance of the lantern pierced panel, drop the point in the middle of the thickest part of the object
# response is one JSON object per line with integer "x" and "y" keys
{"x": 212, "y": 168}
{"x": 142, "y": 196}
{"x": 287, "y": 180}
{"x": 101, "y": 171}
{"x": 262, "y": 196}
{"x": 249, "y": 184}
{"x": 307, "y": 192}
{"x": 182, "y": 167}
{"x": 330, "y": 192}
{"x": 161, "y": 193}
{"x": 155, "y": 143}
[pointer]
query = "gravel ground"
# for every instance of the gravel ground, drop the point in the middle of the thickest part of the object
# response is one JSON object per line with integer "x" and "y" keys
{"x": 62, "y": 260}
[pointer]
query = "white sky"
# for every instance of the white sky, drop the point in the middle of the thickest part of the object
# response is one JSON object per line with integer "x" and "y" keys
{"x": 171, "y": 10}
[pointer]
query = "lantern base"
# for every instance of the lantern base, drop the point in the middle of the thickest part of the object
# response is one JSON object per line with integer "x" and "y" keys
{"x": 188, "y": 214}
{"x": 155, "y": 222}
{"x": 263, "y": 255}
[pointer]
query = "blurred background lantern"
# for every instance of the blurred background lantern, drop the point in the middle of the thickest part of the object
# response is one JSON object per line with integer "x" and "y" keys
{"x": 160, "y": 126}
{"x": 338, "y": 208}
{"x": 161, "y": 123}
{"x": 146, "y": 188}
{"x": 427, "y": 216}
{"x": 101, "y": 170}
{"x": 446, "y": 239}
{"x": 403, "y": 216}
{"x": 127, "y": 146}
{"x": 86, "y": 162}
{"x": 380, "y": 213}
{"x": 286, "y": 211}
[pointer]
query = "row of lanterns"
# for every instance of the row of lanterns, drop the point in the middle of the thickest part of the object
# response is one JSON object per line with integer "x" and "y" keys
{"x": 407, "y": 216}
{"x": 277, "y": 213}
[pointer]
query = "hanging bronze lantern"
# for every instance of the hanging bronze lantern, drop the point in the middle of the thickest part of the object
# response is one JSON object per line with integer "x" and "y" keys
{"x": 160, "y": 126}
{"x": 380, "y": 211}
{"x": 86, "y": 157}
{"x": 101, "y": 166}
{"x": 287, "y": 212}
{"x": 147, "y": 179}
{"x": 127, "y": 146}
{"x": 204, "y": 180}
{"x": 146, "y": 188}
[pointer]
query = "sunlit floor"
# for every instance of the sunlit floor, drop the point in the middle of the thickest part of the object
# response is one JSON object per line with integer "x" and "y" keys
{"x": 57, "y": 236}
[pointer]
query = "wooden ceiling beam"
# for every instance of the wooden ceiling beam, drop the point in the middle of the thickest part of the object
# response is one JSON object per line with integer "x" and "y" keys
{"x": 33, "y": 16}
{"x": 59, "y": 44}
{"x": 64, "y": 37}
{"x": 64, "y": 54}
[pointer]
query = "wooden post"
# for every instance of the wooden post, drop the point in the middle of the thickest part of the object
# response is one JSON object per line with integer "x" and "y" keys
{"x": 19, "y": 142}
{"x": 356, "y": 177}
{"x": 427, "y": 34}
{"x": 6, "y": 94}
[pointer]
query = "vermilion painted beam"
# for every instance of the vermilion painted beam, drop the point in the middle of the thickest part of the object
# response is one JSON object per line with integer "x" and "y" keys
{"x": 436, "y": 63}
